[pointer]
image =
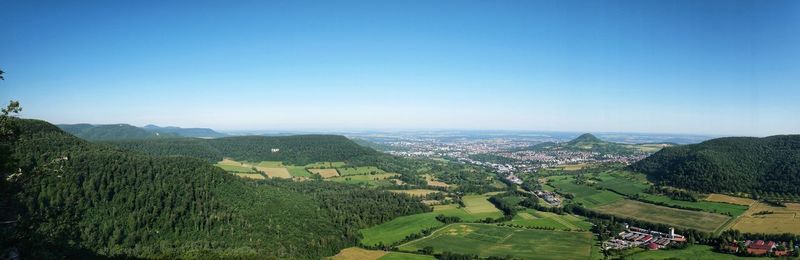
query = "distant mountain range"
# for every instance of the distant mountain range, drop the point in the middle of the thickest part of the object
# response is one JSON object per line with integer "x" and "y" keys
{"x": 590, "y": 143}
{"x": 111, "y": 132}
{"x": 730, "y": 164}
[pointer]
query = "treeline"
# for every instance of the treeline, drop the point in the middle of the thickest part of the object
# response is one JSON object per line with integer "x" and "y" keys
{"x": 66, "y": 198}
{"x": 492, "y": 158}
{"x": 112, "y": 132}
{"x": 768, "y": 167}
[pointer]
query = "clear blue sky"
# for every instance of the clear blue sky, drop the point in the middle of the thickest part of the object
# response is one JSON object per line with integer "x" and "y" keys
{"x": 705, "y": 67}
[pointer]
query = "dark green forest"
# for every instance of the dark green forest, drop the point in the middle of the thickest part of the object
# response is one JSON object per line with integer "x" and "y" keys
{"x": 769, "y": 167}
{"x": 111, "y": 132}
{"x": 297, "y": 149}
{"x": 65, "y": 197}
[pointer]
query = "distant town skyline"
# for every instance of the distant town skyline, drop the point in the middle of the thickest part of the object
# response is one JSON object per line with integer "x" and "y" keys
{"x": 681, "y": 67}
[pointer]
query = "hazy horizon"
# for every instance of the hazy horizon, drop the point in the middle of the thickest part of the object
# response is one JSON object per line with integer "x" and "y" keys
{"x": 699, "y": 68}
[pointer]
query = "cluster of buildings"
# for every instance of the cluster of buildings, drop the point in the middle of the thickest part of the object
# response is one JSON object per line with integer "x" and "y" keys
{"x": 513, "y": 178}
{"x": 758, "y": 247}
{"x": 549, "y": 197}
{"x": 639, "y": 237}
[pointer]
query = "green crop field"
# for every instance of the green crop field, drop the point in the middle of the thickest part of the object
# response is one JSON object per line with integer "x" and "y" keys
{"x": 381, "y": 179}
{"x": 235, "y": 168}
{"x": 345, "y": 171}
{"x": 325, "y": 165}
{"x": 708, "y": 206}
{"x": 631, "y": 184}
{"x": 533, "y": 218}
{"x": 587, "y": 196}
{"x": 405, "y": 256}
{"x": 690, "y": 253}
{"x": 699, "y": 220}
{"x": 479, "y": 204}
{"x": 490, "y": 240}
{"x": 454, "y": 210}
{"x": 298, "y": 171}
{"x": 270, "y": 164}
{"x": 395, "y": 230}
{"x": 624, "y": 184}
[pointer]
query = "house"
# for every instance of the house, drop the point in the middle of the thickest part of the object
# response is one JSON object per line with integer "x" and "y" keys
{"x": 652, "y": 246}
{"x": 759, "y": 247}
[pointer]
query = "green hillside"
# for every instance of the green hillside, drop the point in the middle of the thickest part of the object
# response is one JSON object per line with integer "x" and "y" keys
{"x": 185, "y": 132}
{"x": 63, "y": 197}
{"x": 111, "y": 132}
{"x": 297, "y": 149}
{"x": 769, "y": 166}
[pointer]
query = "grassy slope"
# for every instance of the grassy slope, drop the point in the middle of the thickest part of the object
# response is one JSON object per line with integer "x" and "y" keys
{"x": 490, "y": 240}
{"x": 397, "y": 229}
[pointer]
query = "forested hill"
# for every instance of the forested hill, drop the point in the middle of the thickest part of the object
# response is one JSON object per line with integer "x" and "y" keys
{"x": 296, "y": 149}
{"x": 63, "y": 197}
{"x": 111, "y": 132}
{"x": 768, "y": 166}
{"x": 129, "y": 132}
{"x": 185, "y": 132}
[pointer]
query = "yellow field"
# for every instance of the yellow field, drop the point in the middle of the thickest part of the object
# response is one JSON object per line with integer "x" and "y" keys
{"x": 782, "y": 220}
{"x": 325, "y": 173}
{"x": 254, "y": 176}
{"x": 433, "y": 182}
{"x": 574, "y": 167}
{"x": 357, "y": 253}
{"x": 416, "y": 192}
{"x": 730, "y": 199}
{"x": 275, "y": 172}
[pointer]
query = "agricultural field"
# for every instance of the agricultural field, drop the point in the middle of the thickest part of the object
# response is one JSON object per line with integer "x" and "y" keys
{"x": 325, "y": 173}
{"x": 276, "y": 172}
{"x": 356, "y": 253}
{"x": 479, "y": 204}
{"x": 320, "y": 165}
{"x": 269, "y": 164}
{"x": 397, "y": 229}
{"x": 533, "y": 218}
{"x": 254, "y": 176}
{"x": 234, "y": 166}
{"x": 730, "y": 199}
{"x": 416, "y": 192}
{"x": 631, "y": 184}
{"x": 477, "y": 208}
{"x": 698, "y": 220}
{"x": 587, "y": 196}
{"x": 369, "y": 180}
{"x": 362, "y": 170}
{"x": 406, "y": 256}
{"x": 491, "y": 240}
{"x": 298, "y": 171}
{"x": 454, "y": 210}
{"x": 433, "y": 182}
{"x": 765, "y": 218}
{"x": 692, "y": 252}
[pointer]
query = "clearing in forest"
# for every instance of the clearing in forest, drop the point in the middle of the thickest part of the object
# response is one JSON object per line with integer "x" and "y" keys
{"x": 325, "y": 173}
{"x": 416, "y": 192}
{"x": 276, "y": 172}
{"x": 255, "y": 176}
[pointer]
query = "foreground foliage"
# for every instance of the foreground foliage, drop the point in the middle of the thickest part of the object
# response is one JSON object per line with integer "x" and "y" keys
{"x": 66, "y": 197}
